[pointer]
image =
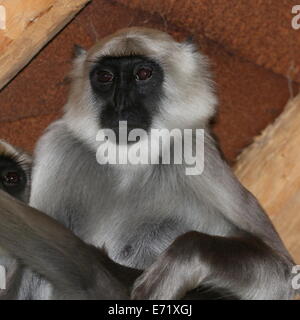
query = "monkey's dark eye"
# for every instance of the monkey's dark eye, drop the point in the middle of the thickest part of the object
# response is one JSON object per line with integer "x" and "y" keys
{"x": 104, "y": 76}
{"x": 143, "y": 73}
{"x": 11, "y": 179}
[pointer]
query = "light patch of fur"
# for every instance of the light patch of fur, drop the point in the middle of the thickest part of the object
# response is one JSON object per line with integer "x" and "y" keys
{"x": 10, "y": 151}
{"x": 7, "y": 149}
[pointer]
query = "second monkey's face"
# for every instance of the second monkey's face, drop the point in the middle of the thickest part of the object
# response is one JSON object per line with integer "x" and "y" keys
{"x": 128, "y": 88}
{"x": 15, "y": 171}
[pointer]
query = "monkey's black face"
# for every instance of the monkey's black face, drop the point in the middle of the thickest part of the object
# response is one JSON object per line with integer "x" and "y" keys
{"x": 12, "y": 177}
{"x": 129, "y": 89}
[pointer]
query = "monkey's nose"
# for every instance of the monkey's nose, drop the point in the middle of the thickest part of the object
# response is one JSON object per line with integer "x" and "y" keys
{"x": 120, "y": 102}
{"x": 124, "y": 114}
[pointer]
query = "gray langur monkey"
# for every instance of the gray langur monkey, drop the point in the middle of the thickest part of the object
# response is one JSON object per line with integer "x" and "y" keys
{"x": 185, "y": 231}
{"x": 15, "y": 176}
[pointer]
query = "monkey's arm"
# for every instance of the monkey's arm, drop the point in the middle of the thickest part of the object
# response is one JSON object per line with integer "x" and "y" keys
{"x": 243, "y": 266}
{"x": 75, "y": 269}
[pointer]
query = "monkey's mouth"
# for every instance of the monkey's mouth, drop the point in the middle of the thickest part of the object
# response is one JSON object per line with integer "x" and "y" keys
{"x": 124, "y": 132}
{"x": 123, "y": 136}
{"x": 124, "y": 127}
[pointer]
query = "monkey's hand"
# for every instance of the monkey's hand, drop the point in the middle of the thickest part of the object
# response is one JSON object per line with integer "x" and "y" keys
{"x": 175, "y": 272}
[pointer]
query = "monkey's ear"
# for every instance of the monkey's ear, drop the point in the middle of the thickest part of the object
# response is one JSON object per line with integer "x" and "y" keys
{"x": 78, "y": 51}
{"x": 190, "y": 39}
{"x": 190, "y": 42}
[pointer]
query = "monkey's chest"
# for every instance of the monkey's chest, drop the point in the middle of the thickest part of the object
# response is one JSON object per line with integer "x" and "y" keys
{"x": 138, "y": 244}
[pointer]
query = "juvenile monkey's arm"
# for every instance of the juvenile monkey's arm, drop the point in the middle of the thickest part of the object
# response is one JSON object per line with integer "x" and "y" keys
{"x": 76, "y": 270}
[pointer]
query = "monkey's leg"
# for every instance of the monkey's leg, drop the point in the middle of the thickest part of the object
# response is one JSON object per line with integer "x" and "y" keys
{"x": 243, "y": 265}
{"x": 75, "y": 269}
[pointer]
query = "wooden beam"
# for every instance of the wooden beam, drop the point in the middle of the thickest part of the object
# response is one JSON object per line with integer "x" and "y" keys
{"x": 29, "y": 26}
{"x": 270, "y": 169}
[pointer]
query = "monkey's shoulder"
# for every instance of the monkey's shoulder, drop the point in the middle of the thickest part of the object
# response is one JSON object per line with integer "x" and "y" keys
{"x": 57, "y": 140}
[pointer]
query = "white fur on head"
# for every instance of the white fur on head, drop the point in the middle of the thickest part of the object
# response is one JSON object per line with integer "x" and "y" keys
{"x": 10, "y": 151}
{"x": 188, "y": 100}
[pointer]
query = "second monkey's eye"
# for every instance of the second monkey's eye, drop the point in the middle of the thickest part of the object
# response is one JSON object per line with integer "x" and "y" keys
{"x": 143, "y": 73}
{"x": 104, "y": 76}
{"x": 11, "y": 179}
